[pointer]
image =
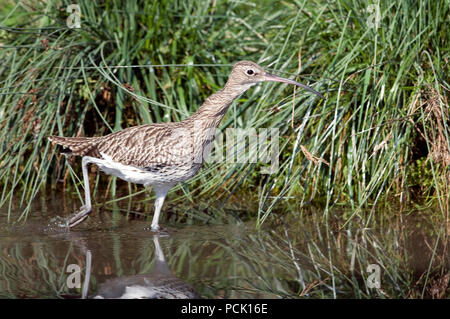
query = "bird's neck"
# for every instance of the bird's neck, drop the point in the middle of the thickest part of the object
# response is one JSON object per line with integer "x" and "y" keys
{"x": 216, "y": 105}
{"x": 204, "y": 122}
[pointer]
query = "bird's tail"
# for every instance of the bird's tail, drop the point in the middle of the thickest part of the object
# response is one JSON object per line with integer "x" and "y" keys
{"x": 81, "y": 146}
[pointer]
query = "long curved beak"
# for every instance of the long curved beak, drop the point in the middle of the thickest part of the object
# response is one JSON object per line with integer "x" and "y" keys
{"x": 275, "y": 78}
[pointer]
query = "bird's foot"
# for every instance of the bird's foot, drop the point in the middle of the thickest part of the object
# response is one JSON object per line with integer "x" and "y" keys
{"x": 157, "y": 230}
{"x": 79, "y": 216}
{"x": 154, "y": 228}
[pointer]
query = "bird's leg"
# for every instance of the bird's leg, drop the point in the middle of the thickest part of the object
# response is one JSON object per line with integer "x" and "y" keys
{"x": 85, "y": 210}
{"x": 160, "y": 196}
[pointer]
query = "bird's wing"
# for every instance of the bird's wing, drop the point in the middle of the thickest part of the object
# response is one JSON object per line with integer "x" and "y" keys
{"x": 150, "y": 146}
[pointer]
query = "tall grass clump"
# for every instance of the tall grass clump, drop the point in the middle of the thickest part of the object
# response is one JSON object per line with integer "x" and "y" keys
{"x": 382, "y": 135}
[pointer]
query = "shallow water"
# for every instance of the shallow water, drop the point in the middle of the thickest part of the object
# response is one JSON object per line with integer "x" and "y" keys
{"x": 295, "y": 254}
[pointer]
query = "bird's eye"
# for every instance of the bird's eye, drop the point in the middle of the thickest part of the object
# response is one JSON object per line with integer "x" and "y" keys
{"x": 250, "y": 72}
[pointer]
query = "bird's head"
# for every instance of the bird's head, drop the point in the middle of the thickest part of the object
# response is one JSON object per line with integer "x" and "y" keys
{"x": 247, "y": 73}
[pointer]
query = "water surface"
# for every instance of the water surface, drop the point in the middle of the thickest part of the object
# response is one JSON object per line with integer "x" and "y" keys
{"x": 294, "y": 254}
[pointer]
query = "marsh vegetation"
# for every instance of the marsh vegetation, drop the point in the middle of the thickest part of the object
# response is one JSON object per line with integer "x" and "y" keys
{"x": 352, "y": 168}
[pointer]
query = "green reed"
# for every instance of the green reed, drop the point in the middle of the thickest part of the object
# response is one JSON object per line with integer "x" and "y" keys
{"x": 381, "y": 137}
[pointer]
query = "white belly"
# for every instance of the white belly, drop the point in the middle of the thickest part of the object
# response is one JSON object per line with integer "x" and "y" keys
{"x": 137, "y": 175}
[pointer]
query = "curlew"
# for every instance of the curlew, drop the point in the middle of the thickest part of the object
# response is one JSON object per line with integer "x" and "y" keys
{"x": 162, "y": 155}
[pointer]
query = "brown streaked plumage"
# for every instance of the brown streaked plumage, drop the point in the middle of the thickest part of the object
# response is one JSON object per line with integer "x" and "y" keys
{"x": 163, "y": 154}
